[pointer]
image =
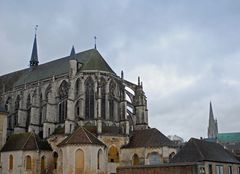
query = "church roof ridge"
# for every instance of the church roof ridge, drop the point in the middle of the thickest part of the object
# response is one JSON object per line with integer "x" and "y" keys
{"x": 90, "y": 59}
{"x": 27, "y": 141}
{"x": 81, "y": 136}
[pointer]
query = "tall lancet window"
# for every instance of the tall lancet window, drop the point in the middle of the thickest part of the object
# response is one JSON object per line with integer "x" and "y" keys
{"x": 62, "y": 107}
{"x": 111, "y": 100}
{"x": 28, "y": 107}
{"x": 77, "y": 87}
{"x": 16, "y": 108}
{"x": 103, "y": 100}
{"x": 41, "y": 110}
{"x": 89, "y": 98}
{"x": 8, "y": 103}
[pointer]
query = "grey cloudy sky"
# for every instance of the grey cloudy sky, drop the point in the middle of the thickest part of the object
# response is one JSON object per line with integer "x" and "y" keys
{"x": 186, "y": 52}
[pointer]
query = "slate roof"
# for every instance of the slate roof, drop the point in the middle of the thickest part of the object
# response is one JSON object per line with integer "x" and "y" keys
{"x": 200, "y": 150}
{"x": 90, "y": 60}
{"x": 81, "y": 136}
{"x": 148, "y": 138}
{"x": 25, "y": 142}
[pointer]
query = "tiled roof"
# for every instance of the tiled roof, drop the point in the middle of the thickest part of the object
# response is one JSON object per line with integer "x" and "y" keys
{"x": 200, "y": 150}
{"x": 148, "y": 138}
{"x": 26, "y": 142}
{"x": 90, "y": 60}
{"x": 81, "y": 136}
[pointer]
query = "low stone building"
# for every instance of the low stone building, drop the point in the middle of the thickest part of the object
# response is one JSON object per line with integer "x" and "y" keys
{"x": 26, "y": 153}
{"x": 147, "y": 147}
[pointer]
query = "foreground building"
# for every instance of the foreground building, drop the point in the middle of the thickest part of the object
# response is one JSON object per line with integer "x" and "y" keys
{"x": 76, "y": 115}
{"x": 196, "y": 157}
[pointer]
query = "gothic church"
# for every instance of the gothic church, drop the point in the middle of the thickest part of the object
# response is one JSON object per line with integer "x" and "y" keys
{"x": 75, "y": 115}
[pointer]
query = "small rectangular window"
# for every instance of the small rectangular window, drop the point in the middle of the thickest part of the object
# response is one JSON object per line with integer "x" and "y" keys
{"x": 210, "y": 169}
{"x": 219, "y": 169}
{"x": 229, "y": 169}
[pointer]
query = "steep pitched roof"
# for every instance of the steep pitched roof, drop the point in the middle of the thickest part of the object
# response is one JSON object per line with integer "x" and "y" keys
{"x": 25, "y": 142}
{"x": 81, "y": 136}
{"x": 199, "y": 150}
{"x": 148, "y": 138}
{"x": 90, "y": 60}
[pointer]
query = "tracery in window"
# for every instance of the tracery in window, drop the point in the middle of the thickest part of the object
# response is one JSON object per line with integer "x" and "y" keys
{"x": 62, "y": 106}
{"x": 89, "y": 98}
{"x": 28, "y": 106}
{"x": 103, "y": 100}
{"x": 41, "y": 110}
{"x": 112, "y": 87}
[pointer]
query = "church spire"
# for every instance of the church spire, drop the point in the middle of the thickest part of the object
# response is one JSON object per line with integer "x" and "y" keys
{"x": 212, "y": 125}
{"x": 34, "y": 56}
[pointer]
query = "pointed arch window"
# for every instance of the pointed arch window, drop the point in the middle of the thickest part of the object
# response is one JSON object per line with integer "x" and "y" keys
{"x": 41, "y": 110}
{"x": 111, "y": 100}
{"x": 103, "y": 100}
{"x": 28, "y": 106}
{"x": 79, "y": 161}
{"x": 17, "y": 104}
{"x": 55, "y": 159}
{"x": 77, "y": 109}
{"x": 28, "y": 163}
{"x": 154, "y": 158}
{"x": 135, "y": 160}
{"x": 42, "y": 164}
{"x": 100, "y": 159}
{"x": 77, "y": 87}
{"x": 8, "y": 103}
{"x": 10, "y": 167}
{"x": 62, "y": 106}
{"x": 89, "y": 99}
{"x": 113, "y": 154}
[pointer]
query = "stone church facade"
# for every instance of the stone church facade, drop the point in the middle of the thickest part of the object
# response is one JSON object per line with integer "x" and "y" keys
{"x": 76, "y": 115}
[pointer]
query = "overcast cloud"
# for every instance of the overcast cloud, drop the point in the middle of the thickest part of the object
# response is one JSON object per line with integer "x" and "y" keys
{"x": 186, "y": 52}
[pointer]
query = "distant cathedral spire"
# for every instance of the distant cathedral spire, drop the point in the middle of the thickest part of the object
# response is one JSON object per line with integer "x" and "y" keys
{"x": 34, "y": 56}
{"x": 72, "y": 54}
{"x": 212, "y": 125}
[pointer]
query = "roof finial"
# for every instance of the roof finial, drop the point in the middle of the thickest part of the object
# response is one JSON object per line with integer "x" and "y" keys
{"x": 36, "y": 29}
{"x": 34, "y": 56}
{"x": 139, "y": 81}
{"x": 95, "y": 42}
{"x": 122, "y": 75}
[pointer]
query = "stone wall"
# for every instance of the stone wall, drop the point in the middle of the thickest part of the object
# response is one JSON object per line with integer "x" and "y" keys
{"x": 160, "y": 169}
